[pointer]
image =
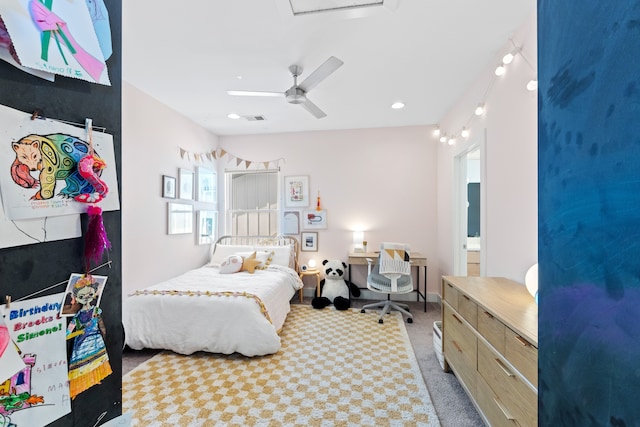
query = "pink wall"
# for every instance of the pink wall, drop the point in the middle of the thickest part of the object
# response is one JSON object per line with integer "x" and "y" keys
{"x": 380, "y": 180}
{"x": 510, "y": 125}
{"x": 395, "y": 183}
{"x": 151, "y": 135}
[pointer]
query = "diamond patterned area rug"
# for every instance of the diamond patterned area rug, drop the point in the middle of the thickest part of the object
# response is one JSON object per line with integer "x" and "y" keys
{"x": 335, "y": 368}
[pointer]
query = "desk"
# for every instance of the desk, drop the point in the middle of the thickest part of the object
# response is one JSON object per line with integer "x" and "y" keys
{"x": 312, "y": 272}
{"x": 417, "y": 260}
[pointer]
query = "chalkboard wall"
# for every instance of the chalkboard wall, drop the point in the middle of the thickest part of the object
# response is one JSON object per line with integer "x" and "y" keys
{"x": 25, "y": 270}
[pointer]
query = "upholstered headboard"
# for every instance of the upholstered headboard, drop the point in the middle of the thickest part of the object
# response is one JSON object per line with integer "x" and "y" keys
{"x": 258, "y": 241}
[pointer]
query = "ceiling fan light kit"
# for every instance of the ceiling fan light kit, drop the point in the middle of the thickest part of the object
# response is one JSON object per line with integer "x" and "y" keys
{"x": 297, "y": 94}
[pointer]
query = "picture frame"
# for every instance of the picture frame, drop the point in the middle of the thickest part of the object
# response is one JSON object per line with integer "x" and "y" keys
{"x": 186, "y": 184}
{"x": 313, "y": 219}
{"x": 168, "y": 187}
{"x": 179, "y": 218}
{"x": 291, "y": 222}
{"x": 207, "y": 226}
{"x": 309, "y": 241}
{"x": 206, "y": 185}
{"x": 296, "y": 191}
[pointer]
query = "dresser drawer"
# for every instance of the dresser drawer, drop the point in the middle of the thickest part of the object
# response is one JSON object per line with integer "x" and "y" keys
{"x": 468, "y": 309}
{"x": 523, "y": 355}
{"x": 460, "y": 347}
{"x": 492, "y": 408}
{"x": 492, "y": 329}
{"x": 450, "y": 294}
{"x": 515, "y": 398}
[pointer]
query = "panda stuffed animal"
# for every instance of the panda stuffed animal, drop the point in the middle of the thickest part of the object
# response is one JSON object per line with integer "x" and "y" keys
{"x": 334, "y": 289}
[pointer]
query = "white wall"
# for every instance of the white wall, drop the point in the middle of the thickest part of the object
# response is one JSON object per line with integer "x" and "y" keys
{"x": 151, "y": 136}
{"x": 380, "y": 180}
{"x": 510, "y": 241}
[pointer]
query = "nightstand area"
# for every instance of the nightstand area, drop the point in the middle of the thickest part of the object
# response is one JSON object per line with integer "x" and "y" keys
{"x": 310, "y": 272}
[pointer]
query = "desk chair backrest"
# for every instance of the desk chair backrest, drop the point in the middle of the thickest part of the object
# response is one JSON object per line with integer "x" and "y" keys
{"x": 394, "y": 263}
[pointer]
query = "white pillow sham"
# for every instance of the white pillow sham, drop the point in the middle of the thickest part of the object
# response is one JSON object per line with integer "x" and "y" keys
{"x": 281, "y": 254}
{"x": 222, "y": 252}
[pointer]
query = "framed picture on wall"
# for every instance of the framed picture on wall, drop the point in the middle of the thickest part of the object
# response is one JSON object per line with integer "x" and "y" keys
{"x": 296, "y": 191}
{"x": 205, "y": 185}
{"x": 309, "y": 241}
{"x": 186, "y": 184}
{"x": 168, "y": 187}
{"x": 291, "y": 222}
{"x": 314, "y": 219}
{"x": 179, "y": 218}
{"x": 207, "y": 226}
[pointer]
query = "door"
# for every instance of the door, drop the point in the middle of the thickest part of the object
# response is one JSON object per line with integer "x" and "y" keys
{"x": 469, "y": 195}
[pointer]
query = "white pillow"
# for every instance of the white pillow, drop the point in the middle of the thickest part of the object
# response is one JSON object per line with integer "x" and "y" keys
{"x": 222, "y": 252}
{"x": 281, "y": 254}
{"x": 231, "y": 265}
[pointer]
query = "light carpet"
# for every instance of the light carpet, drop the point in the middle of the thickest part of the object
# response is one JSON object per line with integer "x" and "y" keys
{"x": 335, "y": 368}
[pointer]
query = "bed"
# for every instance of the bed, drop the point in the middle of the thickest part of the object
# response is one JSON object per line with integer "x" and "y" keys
{"x": 207, "y": 310}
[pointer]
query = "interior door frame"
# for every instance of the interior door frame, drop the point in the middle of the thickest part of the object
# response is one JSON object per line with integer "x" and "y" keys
{"x": 460, "y": 206}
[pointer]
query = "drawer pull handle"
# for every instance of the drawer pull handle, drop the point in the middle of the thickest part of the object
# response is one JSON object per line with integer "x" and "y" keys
{"x": 489, "y": 315}
{"x": 456, "y": 317}
{"x": 455, "y": 344}
{"x": 506, "y": 370}
{"x": 522, "y": 341}
{"x": 504, "y": 410}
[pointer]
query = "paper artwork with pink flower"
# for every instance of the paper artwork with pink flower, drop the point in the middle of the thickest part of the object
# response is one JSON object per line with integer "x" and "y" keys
{"x": 56, "y": 36}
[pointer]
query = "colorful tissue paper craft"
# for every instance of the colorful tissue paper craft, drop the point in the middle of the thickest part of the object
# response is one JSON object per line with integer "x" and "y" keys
{"x": 89, "y": 363}
{"x": 95, "y": 240}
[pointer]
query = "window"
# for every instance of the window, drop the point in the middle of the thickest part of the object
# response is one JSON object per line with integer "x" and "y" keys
{"x": 252, "y": 207}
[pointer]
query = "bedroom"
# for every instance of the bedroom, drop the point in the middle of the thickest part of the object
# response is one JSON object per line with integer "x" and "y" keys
{"x": 147, "y": 265}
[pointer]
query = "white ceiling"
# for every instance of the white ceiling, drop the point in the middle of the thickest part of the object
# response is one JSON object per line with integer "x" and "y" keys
{"x": 424, "y": 53}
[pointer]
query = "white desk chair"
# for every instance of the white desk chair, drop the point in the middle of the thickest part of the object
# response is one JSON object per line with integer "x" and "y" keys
{"x": 391, "y": 275}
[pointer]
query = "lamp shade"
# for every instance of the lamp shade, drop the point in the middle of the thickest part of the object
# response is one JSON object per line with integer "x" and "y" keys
{"x": 531, "y": 281}
{"x": 312, "y": 263}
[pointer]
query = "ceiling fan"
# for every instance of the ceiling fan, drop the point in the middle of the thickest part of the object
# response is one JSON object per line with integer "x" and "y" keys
{"x": 297, "y": 94}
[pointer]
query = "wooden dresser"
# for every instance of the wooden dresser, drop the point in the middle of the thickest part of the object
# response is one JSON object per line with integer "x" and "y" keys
{"x": 490, "y": 341}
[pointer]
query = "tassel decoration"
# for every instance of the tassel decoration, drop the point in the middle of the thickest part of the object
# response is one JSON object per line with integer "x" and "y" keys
{"x": 96, "y": 241}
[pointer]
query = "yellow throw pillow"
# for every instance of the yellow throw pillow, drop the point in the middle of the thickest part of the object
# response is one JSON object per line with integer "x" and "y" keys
{"x": 250, "y": 263}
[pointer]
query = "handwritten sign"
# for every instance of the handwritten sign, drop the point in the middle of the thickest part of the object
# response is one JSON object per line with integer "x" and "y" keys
{"x": 39, "y": 393}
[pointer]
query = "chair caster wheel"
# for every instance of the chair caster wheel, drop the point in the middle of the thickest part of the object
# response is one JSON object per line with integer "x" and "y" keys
{"x": 380, "y": 321}
{"x": 409, "y": 320}
{"x": 362, "y": 311}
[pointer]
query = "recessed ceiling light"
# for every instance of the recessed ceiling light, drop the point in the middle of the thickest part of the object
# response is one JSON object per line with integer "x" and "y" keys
{"x": 397, "y": 105}
{"x": 233, "y": 116}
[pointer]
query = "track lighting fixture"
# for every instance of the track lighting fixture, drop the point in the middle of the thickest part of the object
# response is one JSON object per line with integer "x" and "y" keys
{"x": 479, "y": 110}
{"x": 500, "y": 69}
{"x": 465, "y": 132}
{"x": 532, "y": 85}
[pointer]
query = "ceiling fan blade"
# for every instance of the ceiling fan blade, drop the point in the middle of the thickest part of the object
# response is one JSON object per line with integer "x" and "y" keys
{"x": 321, "y": 73}
{"x": 253, "y": 93}
{"x": 313, "y": 109}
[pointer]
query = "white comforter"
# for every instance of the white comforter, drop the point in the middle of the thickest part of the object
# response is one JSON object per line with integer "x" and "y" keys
{"x": 205, "y": 310}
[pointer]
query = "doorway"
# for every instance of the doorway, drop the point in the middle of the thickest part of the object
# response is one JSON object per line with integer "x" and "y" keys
{"x": 470, "y": 193}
